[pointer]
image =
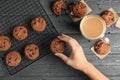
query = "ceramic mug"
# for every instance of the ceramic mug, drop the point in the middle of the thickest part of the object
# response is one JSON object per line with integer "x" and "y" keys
{"x": 92, "y": 27}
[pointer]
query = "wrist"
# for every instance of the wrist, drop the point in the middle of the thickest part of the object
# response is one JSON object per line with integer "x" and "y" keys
{"x": 94, "y": 73}
{"x": 87, "y": 68}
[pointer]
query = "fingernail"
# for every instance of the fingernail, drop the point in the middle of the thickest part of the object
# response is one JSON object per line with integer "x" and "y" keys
{"x": 56, "y": 54}
{"x": 58, "y": 36}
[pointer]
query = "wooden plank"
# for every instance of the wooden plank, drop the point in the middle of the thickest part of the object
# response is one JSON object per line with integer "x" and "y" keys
{"x": 45, "y": 78}
{"x": 52, "y": 67}
{"x": 52, "y": 78}
{"x": 55, "y": 67}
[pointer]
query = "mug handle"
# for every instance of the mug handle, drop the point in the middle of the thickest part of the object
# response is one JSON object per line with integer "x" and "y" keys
{"x": 104, "y": 38}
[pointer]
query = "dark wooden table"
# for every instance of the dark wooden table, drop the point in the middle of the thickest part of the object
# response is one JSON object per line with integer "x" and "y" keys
{"x": 52, "y": 68}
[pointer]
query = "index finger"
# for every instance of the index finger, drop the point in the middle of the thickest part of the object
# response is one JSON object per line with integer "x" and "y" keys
{"x": 69, "y": 40}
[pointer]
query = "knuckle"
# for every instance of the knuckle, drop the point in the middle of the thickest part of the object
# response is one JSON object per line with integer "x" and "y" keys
{"x": 71, "y": 40}
{"x": 68, "y": 62}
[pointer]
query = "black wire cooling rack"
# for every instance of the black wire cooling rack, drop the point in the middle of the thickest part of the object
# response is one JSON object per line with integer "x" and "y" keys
{"x": 21, "y": 12}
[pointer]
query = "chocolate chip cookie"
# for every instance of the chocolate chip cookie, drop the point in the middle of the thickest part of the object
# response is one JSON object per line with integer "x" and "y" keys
{"x": 79, "y": 9}
{"x": 13, "y": 58}
{"x": 57, "y": 46}
{"x": 31, "y": 51}
{"x": 102, "y": 47}
{"x": 5, "y": 43}
{"x": 38, "y": 24}
{"x": 109, "y": 17}
{"x": 20, "y": 33}
{"x": 58, "y": 6}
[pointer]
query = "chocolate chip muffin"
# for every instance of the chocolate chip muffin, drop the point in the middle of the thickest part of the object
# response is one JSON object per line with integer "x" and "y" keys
{"x": 38, "y": 24}
{"x": 31, "y": 51}
{"x": 5, "y": 43}
{"x": 58, "y": 6}
{"x": 57, "y": 46}
{"x": 102, "y": 47}
{"x": 13, "y": 59}
{"x": 20, "y": 33}
{"x": 109, "y": 17}
{"x": 79, "y": 10}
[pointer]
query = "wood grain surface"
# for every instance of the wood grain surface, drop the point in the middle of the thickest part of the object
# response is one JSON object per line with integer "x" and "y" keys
{"x": 52, "y": 68}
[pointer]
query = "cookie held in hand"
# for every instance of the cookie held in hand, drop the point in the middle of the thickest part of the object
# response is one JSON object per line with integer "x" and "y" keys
{"x": 57, "y": 46}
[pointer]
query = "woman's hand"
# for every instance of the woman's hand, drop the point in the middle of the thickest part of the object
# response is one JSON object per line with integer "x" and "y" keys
{"x": 78, "y": 61}
{"x": 77, "y": 58}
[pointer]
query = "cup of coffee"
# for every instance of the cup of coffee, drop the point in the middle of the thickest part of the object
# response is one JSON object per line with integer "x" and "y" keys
{"x": 93, "y": 27}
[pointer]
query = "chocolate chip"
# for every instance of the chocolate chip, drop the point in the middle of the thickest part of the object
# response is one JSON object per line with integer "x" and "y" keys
{"x": 30, "y": 55}
{"x": 20, "y": 27}
{"x": 36, "y": 48}
{"x": 112, "y": 19}
{"x": 15, "y": 30}
{"x": 24, "y": 31}
{"x": 15, "y": 58}
{"x": 4, "y": 42}
{"x": 3, "y": 46}
{"x": 10, "y": 58}
{"x": 34, "y": 23}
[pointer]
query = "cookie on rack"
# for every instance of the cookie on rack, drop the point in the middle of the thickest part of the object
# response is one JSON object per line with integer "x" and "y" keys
{"x": 38, "y": 24}
{"x": 32, "y": 51}
{"x": 20, "y": 33}
{"x": 5, "y": 43}
{"x": 13, "y": 59}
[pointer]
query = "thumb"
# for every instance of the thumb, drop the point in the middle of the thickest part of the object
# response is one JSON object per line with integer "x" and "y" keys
{"x": 62, "y": 56}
